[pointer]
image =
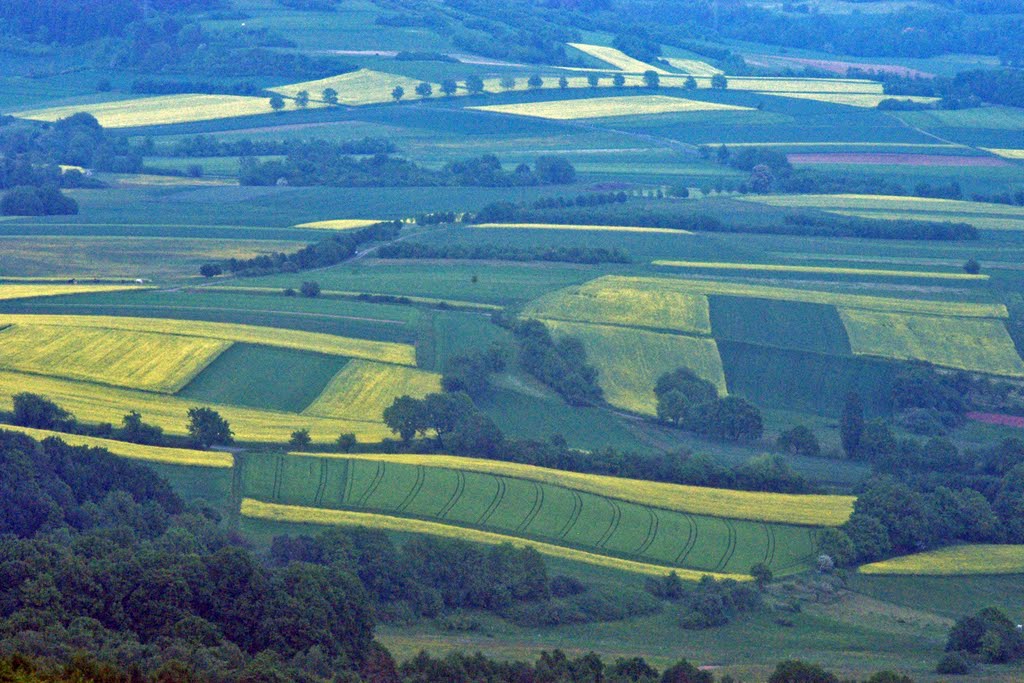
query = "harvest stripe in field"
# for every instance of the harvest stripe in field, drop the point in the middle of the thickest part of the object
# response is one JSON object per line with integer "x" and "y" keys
{"x": 603, "y": 107}
{"x": 134, "y": 451}
{"x": 24, "y": 291}
{"x": 339, "y": 224}
{"x": 959, "y": 560}
{"x": 592, "y": 228}
{"x": 824, "y": 270}
{"x": 385, "y": 352}
{"x": 782, "y": 508}
{"x": 886, "y": 159}
{"x": 255, "y": 509}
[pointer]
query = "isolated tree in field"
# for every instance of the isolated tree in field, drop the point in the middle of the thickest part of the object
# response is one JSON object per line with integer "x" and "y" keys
{"x": 719, "y": 82}
{"x": 651, "y": 78}
{"x": 618, "y": 80}
{"x": 405, "y": 417}
{"x": 424, "y": 89}
{"x": 206, "y": 427}
{"x": 690, "y": 83}
{"x": 346, "y": 442}
{"x": 762, "y": 575}
{"x": 449, "y": 87}
{"x": 723, "y": 154}
{"x": 593, "y": 80}
{"x": 300, "y": 439}
{"x": 799, "y": 441}
{"x": 563, "y": 82}
{"x": 474, "y": 84}
{"x": 972, "y": 267}
{"x": 310, "y": 289}
{"x": 210, "y": 269}
{"x": 398, "y": 93}
{"x": 133, "y": 429}
{"x": 329, "y": 95}
{"x": 555, "y": 170}
{"x": 444, "y": 412}
{"x": 535, "y": 81}
{"x": 302, "y": 99}
{"x": 33, "y": 410}
{"x": 508, "y": 83}
{"x": 685, "y": 672}
{"x": 851, "y": 424}
{"x": 276, "y": 102}
{"x": 761, "y": 178}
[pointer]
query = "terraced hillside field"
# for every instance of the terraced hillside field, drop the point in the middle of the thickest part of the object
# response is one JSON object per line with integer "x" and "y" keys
{"x": 541, "y": 507}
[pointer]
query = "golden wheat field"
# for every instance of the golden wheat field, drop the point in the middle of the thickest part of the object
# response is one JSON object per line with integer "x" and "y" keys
{"x": 618, "y": 59}
{"x": 137, "y": 360}
{"x": 583, "y": 228}
{"x": 771, "y": 85}
{"x": 255, "y": 509}
{"x": 339, "y": 224}
{"x": 862, "y": 100}
{"x": 364, "y": 86}
{"x": 386, "y": 352}
{"x": 1006, "y": 153}
{"x": 965, "y": 344}
{"x": 823, "y": 270}
{"x": 693, "y": 67}
{"x": 623, "y": 304}
{"x": 876, "y": 303}
{"x": 630, "y": 361}
{"x": 133, "y": 451}
{"x": 607, "y": 107}
{"x": 781, "y": 508}
{"x": 959, "y": 560}
{"x": 363, "y": 389}
{"x": 159, "y": 111}
{"x": 91, "y": 402}
{"x": 9, "y": 292}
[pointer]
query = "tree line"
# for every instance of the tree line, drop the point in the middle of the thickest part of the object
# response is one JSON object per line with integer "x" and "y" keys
{"x": 488, "y": 252}
{"x": 209, "y": 146}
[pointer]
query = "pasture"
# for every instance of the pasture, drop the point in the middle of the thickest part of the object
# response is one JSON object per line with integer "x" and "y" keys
{"x": 957, "y": 560}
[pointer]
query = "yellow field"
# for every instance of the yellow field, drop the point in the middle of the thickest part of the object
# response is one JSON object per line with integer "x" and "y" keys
{"x": 693, "y": 67}
{"x": 625, "y": 304}
{"x": 620, "y": 60}
{"x": 959, "y": 560}
{"x": 588, "y": 228}
{"x": 977, "y": 345}
{"x": 824, "y": 270}
{"x": 386, "y": 352}
{"x": 781, "y": 508}
{"x": 19, "y": 291}
{"x": 630, "y": 361}
{"x": 604, "y": 107}
{"x": 133, "y": 451}
{"x": 869, "y": 202}
{"x": 863, "y": 100}
{"x": 255, "y": 509}
{"x": 1006, "y": 153}
{"x": 364, "y": 86}
{"x": 340, "y": 224}
{"x": 137, "y": 360}
{"x": 775, "y": 86}
{"x": 92, "y": 402}
{"x": 875, "y": 303}
{"x": 363, "y": 389}
{"x": 162, "y": 110}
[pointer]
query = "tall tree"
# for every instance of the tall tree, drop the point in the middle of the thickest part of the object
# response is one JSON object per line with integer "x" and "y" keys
{"x": 851, "y": 424}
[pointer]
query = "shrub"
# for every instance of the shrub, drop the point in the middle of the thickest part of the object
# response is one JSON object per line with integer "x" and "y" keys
{"x": 953, "y": 664}
{"x": 799, "y": 441}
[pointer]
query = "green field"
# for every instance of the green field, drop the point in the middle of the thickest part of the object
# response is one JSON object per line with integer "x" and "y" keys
{"x": 545, "y": 512}
{"x": 793, "y": 325}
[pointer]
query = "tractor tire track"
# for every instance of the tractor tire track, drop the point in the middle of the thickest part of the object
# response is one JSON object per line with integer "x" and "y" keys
{"x": 574, "y": 516}
{"x": 769, "y": 551}
{"x": 538, "y": 503}
{"x": 493, "y": 507}
{"x": 730, "y": 546}
{"x": 613, "y": 526}
{"x": 691, "y": 540}
{"x": 378, "y": 477}
{"x": 652, "y": 532}
{"x": 421, "y": 476}
{"x": 275, "y": 491}
{"x": 460, "y": 487}
{"x": 346, "y": 481}
{"x": 321, "y": 487}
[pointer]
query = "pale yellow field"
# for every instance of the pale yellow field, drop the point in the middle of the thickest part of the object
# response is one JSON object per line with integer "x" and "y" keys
{"x": 824, "y": 270}
{"x": 604, "y": 107}
{"x": 1006, "y": 153}
{"x": 630, "y": 361}
{"x": 693, "y": 67}
{"x": 363, "y": 389}
{"x": 92, "y": 402}
{"x": 364, "y": 86}
{"x": 871, "y": 202}
{"x": 385, "y": 352}
{"x": 162, "y": 110}
{"x": 863, "y": 100}
{"x": 781, "y": 508}
{"x": 255, "y": 509}
{"x": 620, "y": 60}
{"x": 133, "y": 451}
{"x": 958, "y": 560}
{"x": 586, "y": 228}
{"x": 339, "y": 224}
{"x": 19, "y": 291}
{"x": 965, "y": 344}
{"x": 980, "y": 222}
{"x": 137, "y": 360}
{"x": 624, "y": 304}
{"x": 876, "y": 303}
{"x": 775, "y": 86}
